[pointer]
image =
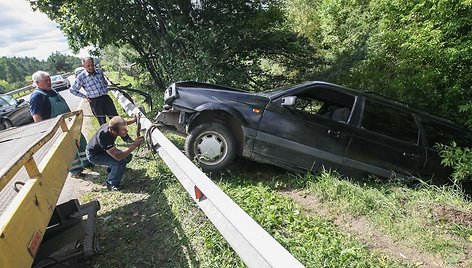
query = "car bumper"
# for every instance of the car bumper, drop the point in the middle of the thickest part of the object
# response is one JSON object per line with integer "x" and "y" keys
{"x": 61, "y": 87}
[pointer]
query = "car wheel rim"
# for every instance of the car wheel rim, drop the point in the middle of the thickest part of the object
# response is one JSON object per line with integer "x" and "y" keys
{"x": 211, "y": 148}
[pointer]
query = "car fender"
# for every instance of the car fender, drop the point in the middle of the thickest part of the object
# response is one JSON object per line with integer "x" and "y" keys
{"x": 214, "y": 106}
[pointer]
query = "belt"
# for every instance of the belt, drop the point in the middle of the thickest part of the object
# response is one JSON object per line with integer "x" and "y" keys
{"x": 99, "y": 97}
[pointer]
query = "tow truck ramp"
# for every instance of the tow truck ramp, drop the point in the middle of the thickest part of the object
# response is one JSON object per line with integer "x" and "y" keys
{"x": 35, "y": 163}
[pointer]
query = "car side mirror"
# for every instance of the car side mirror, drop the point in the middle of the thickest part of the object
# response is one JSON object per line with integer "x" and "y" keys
{"x": 289, "y": 101}
{"x": 20, "y": 101}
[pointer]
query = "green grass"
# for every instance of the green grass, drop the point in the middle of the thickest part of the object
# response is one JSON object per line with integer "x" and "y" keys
{"x": 408, "y": 215}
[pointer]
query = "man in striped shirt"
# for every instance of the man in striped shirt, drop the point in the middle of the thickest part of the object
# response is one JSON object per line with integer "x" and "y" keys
{"x": 96, "y": 88}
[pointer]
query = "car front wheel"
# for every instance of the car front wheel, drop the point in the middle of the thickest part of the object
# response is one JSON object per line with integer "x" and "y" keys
{"x": 213, "y": 145}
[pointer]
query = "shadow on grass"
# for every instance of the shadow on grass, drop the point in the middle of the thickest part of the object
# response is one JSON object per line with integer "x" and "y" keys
{"x": 138, "y": 228}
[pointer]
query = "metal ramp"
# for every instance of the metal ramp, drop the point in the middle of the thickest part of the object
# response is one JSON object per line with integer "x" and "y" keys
{"x": 35, "y": 161}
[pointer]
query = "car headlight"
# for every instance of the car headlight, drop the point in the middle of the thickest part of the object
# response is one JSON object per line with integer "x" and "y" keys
{"x": 170, "y": 92}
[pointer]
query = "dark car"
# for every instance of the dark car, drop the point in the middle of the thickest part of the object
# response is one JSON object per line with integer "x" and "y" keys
{"x": 13, "y": 112}
{"x": 307, "y": 127}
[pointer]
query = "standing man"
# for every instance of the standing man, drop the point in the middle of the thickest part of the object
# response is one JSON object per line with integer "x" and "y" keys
{"x": 101, "y": 150}
{"x": 96, "y": 88}
{"x": 46, "y": 103}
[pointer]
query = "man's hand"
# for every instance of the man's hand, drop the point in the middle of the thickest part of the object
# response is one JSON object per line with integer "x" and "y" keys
{"x": 138, "y": 141}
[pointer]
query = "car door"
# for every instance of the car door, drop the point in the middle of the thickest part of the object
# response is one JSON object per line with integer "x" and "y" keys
{"x": 17, "y": 111}
{"x": 314, "y": 132}
{"x": 387, "y": 142}
{"x": 439, "y": 132}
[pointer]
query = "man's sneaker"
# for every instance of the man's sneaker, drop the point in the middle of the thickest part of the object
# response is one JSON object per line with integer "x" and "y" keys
{"x": 114, "y": 187}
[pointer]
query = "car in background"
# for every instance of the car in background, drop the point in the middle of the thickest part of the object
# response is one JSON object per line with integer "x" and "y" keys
{"x": 59, "y": 83}
{"x": 13, "y": 113}
{"x": 78, "y": 70}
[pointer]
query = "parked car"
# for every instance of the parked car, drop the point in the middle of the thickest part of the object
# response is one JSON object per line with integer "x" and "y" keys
{"x": 307, "y": 127}
{"x": 78, "y": 70}
{"x": 13, "y": 112}
{"x": 58, "y": 82}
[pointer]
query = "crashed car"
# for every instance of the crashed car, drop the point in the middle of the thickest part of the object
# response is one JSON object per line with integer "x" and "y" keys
{"x": 309, "y": 126}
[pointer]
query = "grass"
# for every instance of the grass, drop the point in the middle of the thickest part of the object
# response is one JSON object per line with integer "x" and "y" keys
{"x": 408, "y": 215}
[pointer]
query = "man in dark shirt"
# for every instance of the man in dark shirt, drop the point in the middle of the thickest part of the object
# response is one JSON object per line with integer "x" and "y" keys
{"x": 101, "y": 150}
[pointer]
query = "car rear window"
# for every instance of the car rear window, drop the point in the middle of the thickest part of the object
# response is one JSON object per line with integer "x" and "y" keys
{"x": 438, "y": 133}
{"x": 56, "y": 78}
{"x": 391, "y": 122}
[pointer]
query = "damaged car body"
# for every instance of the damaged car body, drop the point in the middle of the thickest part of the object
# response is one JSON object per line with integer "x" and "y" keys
{"x": 309, "y": 126}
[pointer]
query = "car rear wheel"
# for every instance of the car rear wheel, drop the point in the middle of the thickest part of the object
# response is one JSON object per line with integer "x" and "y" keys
{"x": 212, "y": 145}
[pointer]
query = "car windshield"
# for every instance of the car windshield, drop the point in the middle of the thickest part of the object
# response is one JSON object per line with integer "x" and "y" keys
{"x": 9, "y": 99}
{"x": 274, "y": 91}
{"x": 56, "y": 78}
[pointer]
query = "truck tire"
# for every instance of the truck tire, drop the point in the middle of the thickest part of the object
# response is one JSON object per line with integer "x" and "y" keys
{"x": 212, "y": 145}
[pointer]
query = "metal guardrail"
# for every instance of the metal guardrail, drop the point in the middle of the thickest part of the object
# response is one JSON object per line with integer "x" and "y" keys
{"x": 249, "y": 240}
{"x": 29, "y": 88}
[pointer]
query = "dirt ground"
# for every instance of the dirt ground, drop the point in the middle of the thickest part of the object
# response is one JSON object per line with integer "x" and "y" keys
{"x": 365, "y": 232}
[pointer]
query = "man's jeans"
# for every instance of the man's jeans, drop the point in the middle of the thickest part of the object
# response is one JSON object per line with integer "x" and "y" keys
{"x": 117, "y": 167}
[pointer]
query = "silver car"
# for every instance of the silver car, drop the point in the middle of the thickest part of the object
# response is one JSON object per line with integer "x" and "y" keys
{"x": 59, "y": 83}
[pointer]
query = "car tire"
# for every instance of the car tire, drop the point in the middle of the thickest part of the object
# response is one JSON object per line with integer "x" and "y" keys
{"x": 212, "y": 145}
{"x": 5, "y": 124}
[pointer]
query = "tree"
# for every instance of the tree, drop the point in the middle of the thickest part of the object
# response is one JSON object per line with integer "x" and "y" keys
{"x": 213, "y": 41}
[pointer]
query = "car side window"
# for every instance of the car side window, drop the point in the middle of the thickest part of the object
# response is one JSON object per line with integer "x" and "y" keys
{"x": 390, "y": 122}
{"x": 326, "y": 103}
{"x": 9, "y": 99}
{"x": 437, "y": 133}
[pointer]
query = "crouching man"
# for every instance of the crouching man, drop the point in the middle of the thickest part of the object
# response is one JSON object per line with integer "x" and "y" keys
{"x": 101, "y": 150}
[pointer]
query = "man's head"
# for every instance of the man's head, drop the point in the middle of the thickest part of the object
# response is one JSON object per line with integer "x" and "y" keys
{"x": 87, "y": 63}
{"x": 42, "y": 80}
{"x": 118, "y": 127}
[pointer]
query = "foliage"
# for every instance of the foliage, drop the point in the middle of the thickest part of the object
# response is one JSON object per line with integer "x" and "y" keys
{"x": 16, "y": 72}
{"x": 211, "y": 41}
{"x": 415, "y": 51}
{"x": 459, "y": 159}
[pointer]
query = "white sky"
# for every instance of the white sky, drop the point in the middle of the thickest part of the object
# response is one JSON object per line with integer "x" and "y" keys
{"x": 27, "y": 33}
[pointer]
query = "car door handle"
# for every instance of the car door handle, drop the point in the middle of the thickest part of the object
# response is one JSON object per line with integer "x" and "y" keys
{"x": 334, "y": 133}
{"x": 408, "y": 155}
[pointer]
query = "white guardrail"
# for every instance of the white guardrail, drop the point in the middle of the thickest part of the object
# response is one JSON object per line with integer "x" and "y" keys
{"x": 250, "y": 241}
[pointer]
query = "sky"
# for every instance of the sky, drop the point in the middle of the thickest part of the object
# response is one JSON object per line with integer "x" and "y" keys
{"x": 27, "y": 33}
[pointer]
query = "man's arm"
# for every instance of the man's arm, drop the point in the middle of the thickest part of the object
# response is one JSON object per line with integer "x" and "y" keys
{"x": 37, "y": 118}
{"x": 122, "y": 154}
{"x": 74, "y": 89}
{"x": 36, "y": 106}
